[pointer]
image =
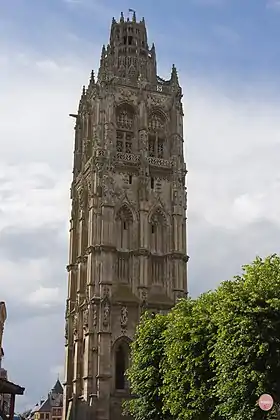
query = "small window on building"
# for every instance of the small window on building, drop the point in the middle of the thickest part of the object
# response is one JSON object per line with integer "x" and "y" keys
{"x": 41, "y": 416}
{"x": 152, "y": 183}
{"x": 47, "y": 416}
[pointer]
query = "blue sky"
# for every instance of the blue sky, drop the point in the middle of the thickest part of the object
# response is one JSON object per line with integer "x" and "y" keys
{"x": 227, "y": 54}
{"x": 216, "y": 39}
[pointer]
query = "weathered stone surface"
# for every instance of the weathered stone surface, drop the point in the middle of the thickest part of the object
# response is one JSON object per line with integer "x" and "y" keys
{"x": 128, "y": 224}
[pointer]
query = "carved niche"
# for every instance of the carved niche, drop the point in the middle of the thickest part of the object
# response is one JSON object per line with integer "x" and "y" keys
{"x": 106, "y": 307}
{"x": 143, "y": 190}
{"x": 75, "y": 323}
{"x": 86, "y": 318}
{"x": 124, "y": 319}
{"x": 106, "y": 314}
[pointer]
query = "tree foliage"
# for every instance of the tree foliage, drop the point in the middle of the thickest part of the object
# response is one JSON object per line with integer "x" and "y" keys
{"x": 247, "y": 351}
{"x": 144, "y": 374}
{"x": 186, "y": 366}
{"x": 211, "y": 357}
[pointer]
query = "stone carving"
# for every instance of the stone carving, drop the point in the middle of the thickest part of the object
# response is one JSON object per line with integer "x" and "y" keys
{"x": 109, "y": 189}
{"x": 81, "y": 196}
{"x": 90, "y": 186}
{"x": 178, "y": 197}
{"x": 124, "y": 317}
{"x": 106, "y": 314}
{"x": 143, "y": 140}
{"x": 94, "y": 318}
{"x": 156, "y": 100}
{"x": 125, "y": 94}
{"x": 87, "y": 295}
{"x": 128, "y": 157}
{"x": 144, "y": 295}
{"x": 86, "y": 318}
{"x": 108, "y": 136}
{"x": 67, "y": 309}
{"x": 156, "y": 122}
{"x": 77, "y": 303}
{"x": 179, "y": 294}
{"x": 74, "y": 208}
{"x": 105, "y": 292}
{"x": 143, "y": 185}
{"x": 144, "y": 298}
{"x": 75, "y": 324}
{"x": 66, "y": 330}
{"x": 163, "y": 163}
{"x": 95, "y": 135}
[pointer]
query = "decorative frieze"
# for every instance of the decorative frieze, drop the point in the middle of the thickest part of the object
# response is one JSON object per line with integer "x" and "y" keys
{"x": 161, "y": 163}
{"x": 128, "y": 157}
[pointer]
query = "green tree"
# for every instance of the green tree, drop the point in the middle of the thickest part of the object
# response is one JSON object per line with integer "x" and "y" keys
{"x": 247, "y": 352}
{"x": 144, "y": 374}
{"x": 212, "y": 357}
{"x": 187, "y": 367}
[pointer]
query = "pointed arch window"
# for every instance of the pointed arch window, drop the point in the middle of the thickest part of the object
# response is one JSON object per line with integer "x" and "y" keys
{"x": 125, "y": 128}
{"x": 156, "y": 128}
{"x": 120, "y": 368}
{"x": 124, "y": 228}
{"x": 122, "y": 352}
{"x": 158, "y": 232}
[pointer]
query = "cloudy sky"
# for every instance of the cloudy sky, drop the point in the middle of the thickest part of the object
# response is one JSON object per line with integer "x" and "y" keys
{"x": 227, "y": 53}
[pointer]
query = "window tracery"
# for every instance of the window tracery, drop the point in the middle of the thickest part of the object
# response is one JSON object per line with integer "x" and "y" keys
{"x": 156, "y": 126}
{"x": 125, "y": 129}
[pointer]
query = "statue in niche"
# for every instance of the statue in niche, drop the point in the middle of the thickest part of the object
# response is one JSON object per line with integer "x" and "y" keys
{"x": 124, "y": 317}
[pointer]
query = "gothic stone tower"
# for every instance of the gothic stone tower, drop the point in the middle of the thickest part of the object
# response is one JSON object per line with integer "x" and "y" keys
{"x": 128, "y": 220}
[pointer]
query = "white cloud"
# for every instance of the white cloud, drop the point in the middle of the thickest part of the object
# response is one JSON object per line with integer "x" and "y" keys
{"x": 57, "y": 370}
{"x": 45, "y": 296}
{"x": 232, "y": 155}
{"x": 33, "y": 194}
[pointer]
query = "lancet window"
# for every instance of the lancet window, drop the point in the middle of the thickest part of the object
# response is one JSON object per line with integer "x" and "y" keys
{"x": 124, "y": 228}
{"x": 156, "y": 126}
{"x": 121, "y": 365}
{"x": 158, "y": 232}
{"x": 125, "y": 128}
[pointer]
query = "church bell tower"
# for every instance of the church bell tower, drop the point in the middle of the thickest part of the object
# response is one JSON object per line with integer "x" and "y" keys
{"x": 128, "y": 221}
